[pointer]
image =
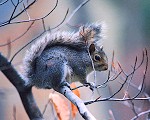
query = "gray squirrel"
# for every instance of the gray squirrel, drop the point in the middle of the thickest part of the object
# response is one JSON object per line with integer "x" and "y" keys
{"x": 60, "y": 58}
{"x": 57, "y": 59}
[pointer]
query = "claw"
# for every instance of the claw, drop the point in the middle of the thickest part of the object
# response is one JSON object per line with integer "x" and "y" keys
{"x": 91, "y": 84}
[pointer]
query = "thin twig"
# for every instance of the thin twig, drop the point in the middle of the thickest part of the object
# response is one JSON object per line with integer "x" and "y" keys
{"x": 140, "y": 114}
{"x": 8, "y": 49}
{"x": 13, "y": 11}
{"x": 25, "y": 46}
{"x": 8, "y": 21}
{"x": 55, "y": 29}
{"x": 32, "y": 41}
{"x": 60, "y": 24}
{"x": 73, "y": 13}
{"x": 13, "y": 3}
{"x": 132, "y": 84}
{"x": 144, "y": 76}
{"x": 2, "y": 45}
{"x": 115, "y": 99}
{"x": 109, "y": 79}
{"x": 26, "y": 12}
{"x": 133, "y": 106}
{"x": 111, "y": 98}
{"x": 132, "y": 74}
{"x": 36, "y": 19}
{"x": 81, "y": 5}
{"x": 4, "y": 2}
{"x": 46, "y": 106}
{"x": 14, "y": 112}
{"x": 43, "y": 23}
{"x": 112, "y": 62}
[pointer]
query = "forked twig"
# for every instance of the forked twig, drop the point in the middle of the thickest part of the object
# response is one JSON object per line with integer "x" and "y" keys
{"x": 55, "y": 28}
{"x": 135, "y": 97}
{"x": 8, "y": 21}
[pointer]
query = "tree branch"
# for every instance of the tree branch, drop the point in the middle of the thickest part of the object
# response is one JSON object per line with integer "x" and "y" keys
{"x": 36, "y": 19}
{"x": 77, "y": 102}
{"x": 24, "y": 91}
{"x": 64, "y": 21}
{"x": 20, "y": 36}
{"x": 140, "y": 114}
{"x": 8, "y": 21}
{"x": 135, "y": 97}
{"x": 4, "y": 2}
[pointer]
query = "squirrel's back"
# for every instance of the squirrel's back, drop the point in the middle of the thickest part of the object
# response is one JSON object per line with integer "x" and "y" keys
{"x": 79, "y": 41}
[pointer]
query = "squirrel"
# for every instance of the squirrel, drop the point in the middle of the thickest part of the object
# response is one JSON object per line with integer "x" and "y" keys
{"x": 61, "y": 58}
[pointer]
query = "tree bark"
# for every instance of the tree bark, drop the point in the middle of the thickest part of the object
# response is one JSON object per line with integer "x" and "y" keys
{"x": 24, "y": 91}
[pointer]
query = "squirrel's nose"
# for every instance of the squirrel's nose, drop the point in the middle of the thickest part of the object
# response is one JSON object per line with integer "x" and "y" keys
{"x": 105, "y": 67}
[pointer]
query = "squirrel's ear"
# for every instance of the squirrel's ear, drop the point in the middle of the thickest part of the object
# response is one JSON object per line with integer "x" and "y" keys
{"x": 92, "y": 48}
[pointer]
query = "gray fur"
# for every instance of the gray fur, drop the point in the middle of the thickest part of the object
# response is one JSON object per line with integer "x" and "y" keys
{"x": 63, "y": 56}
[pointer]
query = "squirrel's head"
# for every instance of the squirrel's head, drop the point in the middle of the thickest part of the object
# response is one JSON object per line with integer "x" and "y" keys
{"x": 99, "y": 57}
{"x": 92, "y": 35}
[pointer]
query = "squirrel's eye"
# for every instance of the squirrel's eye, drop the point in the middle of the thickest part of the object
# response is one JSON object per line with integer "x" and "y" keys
{"x": 97, "y": 58}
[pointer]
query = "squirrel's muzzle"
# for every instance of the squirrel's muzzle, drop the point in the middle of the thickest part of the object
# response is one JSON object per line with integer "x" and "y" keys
{"x": 103, "y": 67}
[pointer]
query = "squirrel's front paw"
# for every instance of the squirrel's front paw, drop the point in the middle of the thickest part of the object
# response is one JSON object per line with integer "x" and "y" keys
{"x": 64, "y": 83}
{"x": 92, "y": 85}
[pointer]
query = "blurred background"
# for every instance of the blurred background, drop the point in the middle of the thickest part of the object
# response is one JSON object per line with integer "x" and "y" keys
{"x": 127, "y": 34}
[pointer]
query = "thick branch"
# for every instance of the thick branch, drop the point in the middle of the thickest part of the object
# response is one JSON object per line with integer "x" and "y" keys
{"x": 77, "y": 102}
{"x": 24, "y": 91}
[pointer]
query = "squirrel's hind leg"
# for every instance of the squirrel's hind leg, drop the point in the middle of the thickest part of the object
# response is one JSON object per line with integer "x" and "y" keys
{"x": 60, "y": 84}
